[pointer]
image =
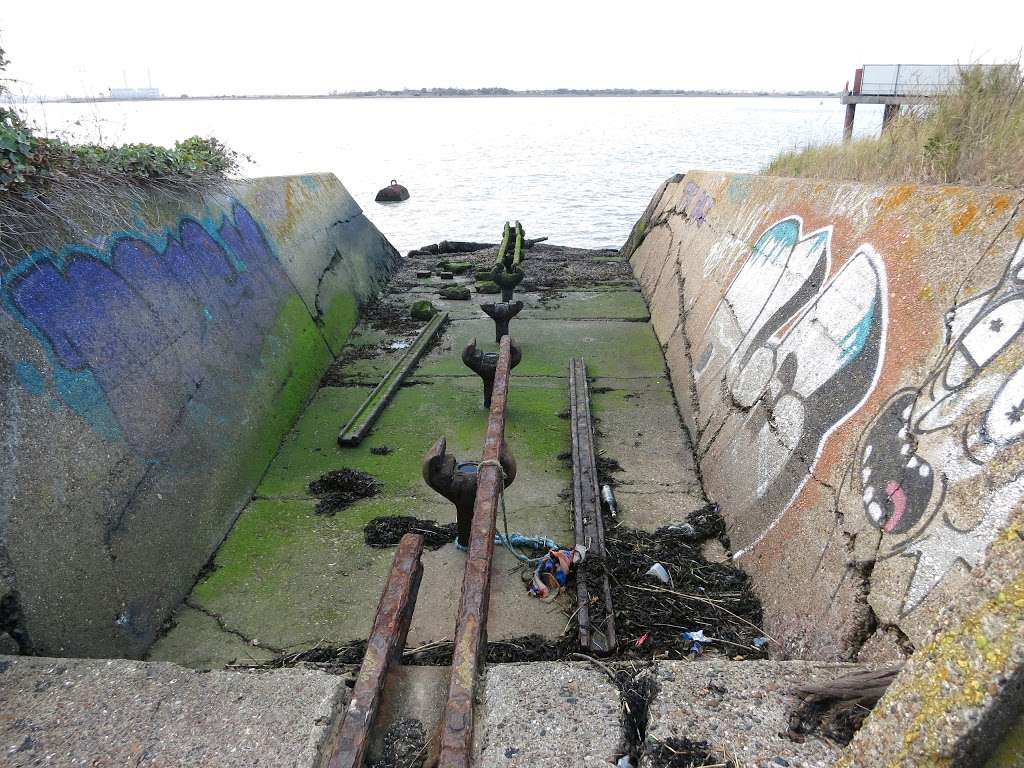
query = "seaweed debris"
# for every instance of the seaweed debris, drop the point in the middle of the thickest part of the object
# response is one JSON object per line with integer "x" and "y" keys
{"x": 405, "y": 746}
{"x": 683, "y": 753}
{"x": 384, "y": 532}
{"x": 339, "y": 488}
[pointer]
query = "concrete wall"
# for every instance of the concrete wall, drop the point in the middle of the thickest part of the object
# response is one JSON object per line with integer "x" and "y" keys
{"x": 848, "y": 359}
{"x": 147, "y": 374}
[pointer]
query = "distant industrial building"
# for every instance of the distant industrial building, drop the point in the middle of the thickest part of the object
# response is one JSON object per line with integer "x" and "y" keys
{"x": 135, "y": 93}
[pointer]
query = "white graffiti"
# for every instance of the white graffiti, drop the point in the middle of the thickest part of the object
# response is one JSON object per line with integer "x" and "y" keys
{"x": 952, "y": 438}
{"x": 790, "y": 352}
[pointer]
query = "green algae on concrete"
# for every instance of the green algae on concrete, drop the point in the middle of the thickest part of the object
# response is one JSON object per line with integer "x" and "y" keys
{"x": 413, "y": 421}
{"x": 287, "y": 579}
{"x": 487, "y": 286}
{"x": 294, "y": 356}
{"x": 423, "y": 310}
{"x": 589, "y": 305}
{"x": 454, "y": 293}
{"x": 611, "y": 348}
{"x": 339, "y": 319}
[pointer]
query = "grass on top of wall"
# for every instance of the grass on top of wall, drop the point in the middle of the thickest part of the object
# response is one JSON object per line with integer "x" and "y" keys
{"x": 973, "y": 135}
{"x": 46, "y": 182}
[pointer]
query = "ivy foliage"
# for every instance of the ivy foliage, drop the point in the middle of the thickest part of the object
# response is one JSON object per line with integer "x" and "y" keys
{"x": 29, "y": 164}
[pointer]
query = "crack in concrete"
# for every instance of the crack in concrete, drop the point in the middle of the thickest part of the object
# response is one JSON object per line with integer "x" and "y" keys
{"x": 956, "y": 295}
{"x": 116, "y": 524}
{"x": 318, "y": 315}
{"x": 230, "y": 630}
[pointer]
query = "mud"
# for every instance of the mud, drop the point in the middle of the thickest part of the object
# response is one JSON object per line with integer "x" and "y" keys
{"x": 383, "y": 532}
{"x": 547, "y": 267}
{"x": 340, "y": 488}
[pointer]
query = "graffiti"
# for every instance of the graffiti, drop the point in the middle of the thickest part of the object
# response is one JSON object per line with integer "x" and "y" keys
{"x": 791, "y": 352}
{"x": 937, "y": 464}
{"x": 145, "y": 332}
{"x": 696, "y": 203}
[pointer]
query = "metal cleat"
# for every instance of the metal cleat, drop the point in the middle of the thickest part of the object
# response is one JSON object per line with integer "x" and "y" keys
{"x": 502, "y": 315}
{"x": 457, "y": 480}
{"x": 484, "y": 364}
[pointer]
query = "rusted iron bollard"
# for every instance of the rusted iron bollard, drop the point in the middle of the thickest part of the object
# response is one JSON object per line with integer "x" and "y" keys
{"x": 456, "y": 737}
{"x": 457, "y": 481}
{"x": 502, "y": 315}
{"x": 485, "y": 364}
{"x": 383, "y": 648}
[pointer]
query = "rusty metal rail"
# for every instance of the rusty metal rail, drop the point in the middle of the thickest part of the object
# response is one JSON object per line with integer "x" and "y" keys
{"x": 384, "y": 648}
{"x": 587, "y": 518}
{"x": 456, "y": 736}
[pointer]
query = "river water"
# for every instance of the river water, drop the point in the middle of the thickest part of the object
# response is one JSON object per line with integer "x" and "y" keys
{"x": 579, "y": 170}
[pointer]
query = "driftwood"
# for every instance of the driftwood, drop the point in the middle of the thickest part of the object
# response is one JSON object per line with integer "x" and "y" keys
{"x": 464, "y": 246}
{"x": 836, "y": 708}
{"x": 863, "y": 686}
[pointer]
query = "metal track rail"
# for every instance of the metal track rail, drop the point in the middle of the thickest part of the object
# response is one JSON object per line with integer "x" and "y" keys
{"x": 456, "y": 737}
{"x": 383, "y": 649}
{"x": 587, "y": 518}
{"x": 359, "y": 425}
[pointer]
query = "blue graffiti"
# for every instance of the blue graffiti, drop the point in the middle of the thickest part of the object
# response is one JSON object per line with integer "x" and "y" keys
{"x": 857, "y": 337}
{"x": 30, "y": 377}
{"x": 153, "y": 326}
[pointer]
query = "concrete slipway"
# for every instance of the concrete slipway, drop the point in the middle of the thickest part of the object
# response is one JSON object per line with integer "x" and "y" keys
{"x": 873, "y": 292}
{"x": 286, "y": 579}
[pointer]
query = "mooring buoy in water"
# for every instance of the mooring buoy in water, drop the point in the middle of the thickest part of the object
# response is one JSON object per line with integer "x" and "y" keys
{"x": 394, "y": 193}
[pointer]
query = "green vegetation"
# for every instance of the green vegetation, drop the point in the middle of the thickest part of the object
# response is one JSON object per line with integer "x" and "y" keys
{"x": 454, "y": 292}
{"x": 44, "y": 180}
{"x": 972, "y": 135}
{"x": 423, "y": 310}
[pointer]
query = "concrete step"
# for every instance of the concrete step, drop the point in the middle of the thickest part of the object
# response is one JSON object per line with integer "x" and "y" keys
{"x": 101, "y": 712}
{"x": 558, "y": 714}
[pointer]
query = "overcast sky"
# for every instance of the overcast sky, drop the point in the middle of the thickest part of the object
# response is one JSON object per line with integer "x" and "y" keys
{"x": 295, "y": 46}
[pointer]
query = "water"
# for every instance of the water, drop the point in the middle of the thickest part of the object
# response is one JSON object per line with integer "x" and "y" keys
{"x": 580, "y": 170}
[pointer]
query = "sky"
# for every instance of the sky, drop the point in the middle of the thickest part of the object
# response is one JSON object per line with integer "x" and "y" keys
{"x": 218, "y": 47}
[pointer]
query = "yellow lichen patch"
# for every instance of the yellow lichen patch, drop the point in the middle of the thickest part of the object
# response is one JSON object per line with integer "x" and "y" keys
{"x": 961, "y": 222}
{"x": 949, "y": 676}
{"x": 1018, "y": 228}
{"x": 895, "y": 198}
{"x": 998, "y": 204}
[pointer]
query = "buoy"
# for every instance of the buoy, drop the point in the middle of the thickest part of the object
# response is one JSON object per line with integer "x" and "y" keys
{"x": 395, "y": 193}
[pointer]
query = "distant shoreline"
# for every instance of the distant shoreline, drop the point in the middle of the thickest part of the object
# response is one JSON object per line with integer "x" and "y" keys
{"x": 447, "y": 93}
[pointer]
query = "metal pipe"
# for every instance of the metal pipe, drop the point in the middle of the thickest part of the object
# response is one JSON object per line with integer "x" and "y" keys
{"x": 456, "y": 737}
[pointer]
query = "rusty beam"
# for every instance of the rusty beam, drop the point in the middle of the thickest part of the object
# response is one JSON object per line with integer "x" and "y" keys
{"x": 456, "y": 737}
{"x": 383, "y": 649}
{"x": 359, "y": 425}
{"x": 587, "y": 519}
